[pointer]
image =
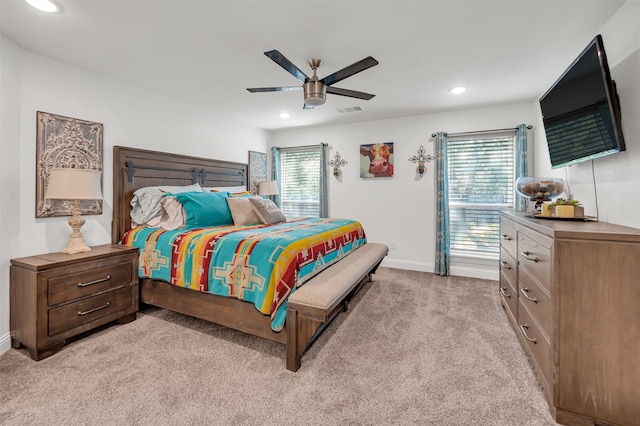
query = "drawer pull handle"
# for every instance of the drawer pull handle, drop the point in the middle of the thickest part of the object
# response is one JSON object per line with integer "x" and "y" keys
{"x": 506, "y": 237}
{"x": 525, "y": 293}
{"x": 101, "y": 280}
{"x": 529, "y": 256}
{"x": 526, "y": 336}
{"x": 80, "y": 313}
{"x": 503, "y": 291}
{"x": 505, "y": 265}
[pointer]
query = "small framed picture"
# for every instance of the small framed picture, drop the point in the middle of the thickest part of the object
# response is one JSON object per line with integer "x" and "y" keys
{"x": 376, "y": 160}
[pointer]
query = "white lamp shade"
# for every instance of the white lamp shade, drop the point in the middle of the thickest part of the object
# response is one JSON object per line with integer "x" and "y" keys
{"x": 268, "y": 187}
{"x": 74, "y": 184}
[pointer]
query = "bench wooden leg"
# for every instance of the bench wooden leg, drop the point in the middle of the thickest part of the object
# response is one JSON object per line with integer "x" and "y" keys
{"x": 300, "y": 331}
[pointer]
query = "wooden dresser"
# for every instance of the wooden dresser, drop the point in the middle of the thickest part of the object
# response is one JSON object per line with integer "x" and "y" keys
{"x": 572, "y": 291}
{"x": 56, "y": 296}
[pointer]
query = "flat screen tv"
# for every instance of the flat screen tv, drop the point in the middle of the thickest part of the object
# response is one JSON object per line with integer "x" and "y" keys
{"x": 581, "y": 111}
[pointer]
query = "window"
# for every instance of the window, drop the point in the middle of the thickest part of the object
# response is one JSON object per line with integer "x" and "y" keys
{"x": 481, "y": 183}
{"x": 301, "y": 186}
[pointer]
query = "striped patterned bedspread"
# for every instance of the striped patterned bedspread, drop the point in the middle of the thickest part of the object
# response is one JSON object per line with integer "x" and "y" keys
{"x": 261, "y": 264}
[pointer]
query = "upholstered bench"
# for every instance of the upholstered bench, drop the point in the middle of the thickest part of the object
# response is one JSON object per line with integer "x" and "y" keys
{"x": 312, "y": 306}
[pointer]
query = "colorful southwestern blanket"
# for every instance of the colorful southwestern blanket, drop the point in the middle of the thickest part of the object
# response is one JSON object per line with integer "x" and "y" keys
{"x": 261, "y": 264}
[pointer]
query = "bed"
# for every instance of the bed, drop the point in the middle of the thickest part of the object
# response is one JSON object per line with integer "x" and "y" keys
{"x": 134, "y": 169}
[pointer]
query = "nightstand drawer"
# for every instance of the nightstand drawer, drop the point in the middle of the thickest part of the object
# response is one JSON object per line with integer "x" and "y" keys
{"x": 86, "y": 310}
{"x": 73, "y": 286}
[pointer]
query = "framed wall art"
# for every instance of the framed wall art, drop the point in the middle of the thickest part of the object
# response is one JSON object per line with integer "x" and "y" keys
{"x": 376, "y": 160}
{"x": 257, "y": 170}
{"x": 65, "y": 142}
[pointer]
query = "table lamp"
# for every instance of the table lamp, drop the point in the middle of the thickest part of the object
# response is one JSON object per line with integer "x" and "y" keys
{"x": 74, "y": 184}
{"x": 268, "y": 187}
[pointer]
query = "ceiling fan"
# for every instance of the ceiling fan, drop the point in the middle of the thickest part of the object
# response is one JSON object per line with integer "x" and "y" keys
{"x": 315, "y": 90}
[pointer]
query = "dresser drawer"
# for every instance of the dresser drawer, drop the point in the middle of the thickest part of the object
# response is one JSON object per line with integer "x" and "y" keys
{"x": 537, "y": 302}
{"x": 508, "y": 267}
{"x": 75, "y": 285}
{"x": 535, "y": 258}
{"x": 535, "y": 341}
{"x": 508, "y": 236}
{"x": 78, "y": 313}
{"x": 509, "y": 297}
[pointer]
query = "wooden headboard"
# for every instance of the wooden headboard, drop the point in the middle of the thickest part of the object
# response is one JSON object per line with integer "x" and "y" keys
{"x": 136, "y": 168}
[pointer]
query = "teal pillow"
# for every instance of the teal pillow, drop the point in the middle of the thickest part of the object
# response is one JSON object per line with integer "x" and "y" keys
{"x": 204, "y": 209}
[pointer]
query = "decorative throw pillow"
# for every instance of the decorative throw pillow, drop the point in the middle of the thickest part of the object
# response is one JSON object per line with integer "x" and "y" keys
{"x": 230, "y": 189}
{"x": 242, "y": 211}
{"x": 243, "y": 194}
{"x": 205, "y": 209}
{"x": 267, "y": 210}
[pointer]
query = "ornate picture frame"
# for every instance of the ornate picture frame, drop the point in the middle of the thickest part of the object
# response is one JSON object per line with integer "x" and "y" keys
{"x": 257, "y": 170}
{"x": 65, "y": 142}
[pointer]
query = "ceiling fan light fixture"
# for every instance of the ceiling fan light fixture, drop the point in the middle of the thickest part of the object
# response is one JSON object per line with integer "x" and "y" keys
{"x": 458, "y": 90}
{"x": 315, "y": 93}
{"x": 43, "y": 5}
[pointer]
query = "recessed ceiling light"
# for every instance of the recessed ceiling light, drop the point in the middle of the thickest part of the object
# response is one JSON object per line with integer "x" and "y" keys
{"x": 458, "y": 89}
{"x": 44, "y": 5}
{"x": 285, "y": 115}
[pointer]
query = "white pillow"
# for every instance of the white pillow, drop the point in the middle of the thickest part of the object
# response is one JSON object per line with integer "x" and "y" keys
{"x": 173, "y": 215}
{"x": 146, "y": 202}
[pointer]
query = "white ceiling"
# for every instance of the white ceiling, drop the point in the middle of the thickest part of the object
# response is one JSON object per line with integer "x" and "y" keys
{"x": 206, "y": 53}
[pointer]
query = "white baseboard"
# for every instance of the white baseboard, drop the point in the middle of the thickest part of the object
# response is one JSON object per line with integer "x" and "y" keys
{"x": 407, "y": 264}
{"x": 5, "y": 343}
{"x": 473, "y": 271}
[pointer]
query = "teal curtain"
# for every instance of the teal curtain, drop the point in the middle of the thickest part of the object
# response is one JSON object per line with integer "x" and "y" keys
{"x": 521, "y": 163}
{"x": 443, "y": 245}
{"x": 324, "y": 199}
{"x": 275, "y": 172}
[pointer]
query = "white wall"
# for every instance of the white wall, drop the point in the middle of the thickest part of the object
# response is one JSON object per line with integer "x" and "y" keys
{"x": 131, "y": 116}
{"x": 617, "y": 177}
{"x": 401, "y": 208}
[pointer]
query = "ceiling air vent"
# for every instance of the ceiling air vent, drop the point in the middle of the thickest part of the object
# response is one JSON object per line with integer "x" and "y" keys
{"x": 348, "y": 109}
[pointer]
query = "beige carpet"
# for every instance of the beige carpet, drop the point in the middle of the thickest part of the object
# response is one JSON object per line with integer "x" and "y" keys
{"x": 414, "y": 348}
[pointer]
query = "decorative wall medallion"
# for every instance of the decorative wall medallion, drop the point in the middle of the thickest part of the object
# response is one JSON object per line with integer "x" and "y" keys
{"x": 257, "y": 170}
{"x": 65, "y": 142}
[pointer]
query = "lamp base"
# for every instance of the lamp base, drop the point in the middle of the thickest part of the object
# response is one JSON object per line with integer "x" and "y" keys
{"x": 76, "y": 239}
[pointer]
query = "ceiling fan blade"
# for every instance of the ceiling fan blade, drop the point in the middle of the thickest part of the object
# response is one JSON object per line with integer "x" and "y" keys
{"x": 280, "y": 59}
{"x": 352, "y": 69}
{"x": 274, "y": 89}
{"x": 350, "y": 93}
{"x": 307, "y": 106}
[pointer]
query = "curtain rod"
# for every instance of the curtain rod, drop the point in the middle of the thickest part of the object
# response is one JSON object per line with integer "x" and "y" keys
{"x": 529, "y": 127}
{"x": 321, "y": 144}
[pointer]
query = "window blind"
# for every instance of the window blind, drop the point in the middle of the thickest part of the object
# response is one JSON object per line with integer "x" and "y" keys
{"x": 300, "y": 181}
{"x": 481, "y": 183}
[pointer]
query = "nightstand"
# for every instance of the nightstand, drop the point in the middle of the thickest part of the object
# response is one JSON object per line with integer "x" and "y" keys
{"x": 56, "y": 296}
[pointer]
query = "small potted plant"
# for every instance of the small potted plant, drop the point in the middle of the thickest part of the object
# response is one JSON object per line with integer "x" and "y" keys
{"x": 567, "y": 207}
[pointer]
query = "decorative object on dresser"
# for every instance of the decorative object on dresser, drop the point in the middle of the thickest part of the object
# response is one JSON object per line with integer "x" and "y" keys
{"x": 65, "y": 142}
{"x": 571, "y": 291}
{"x": 54, "y": 297}
{"x": 539, "y": 189}
{"x": 336, "y": 163}
{"x": 74, "y": 184}
{"x": 421, "y": 157}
